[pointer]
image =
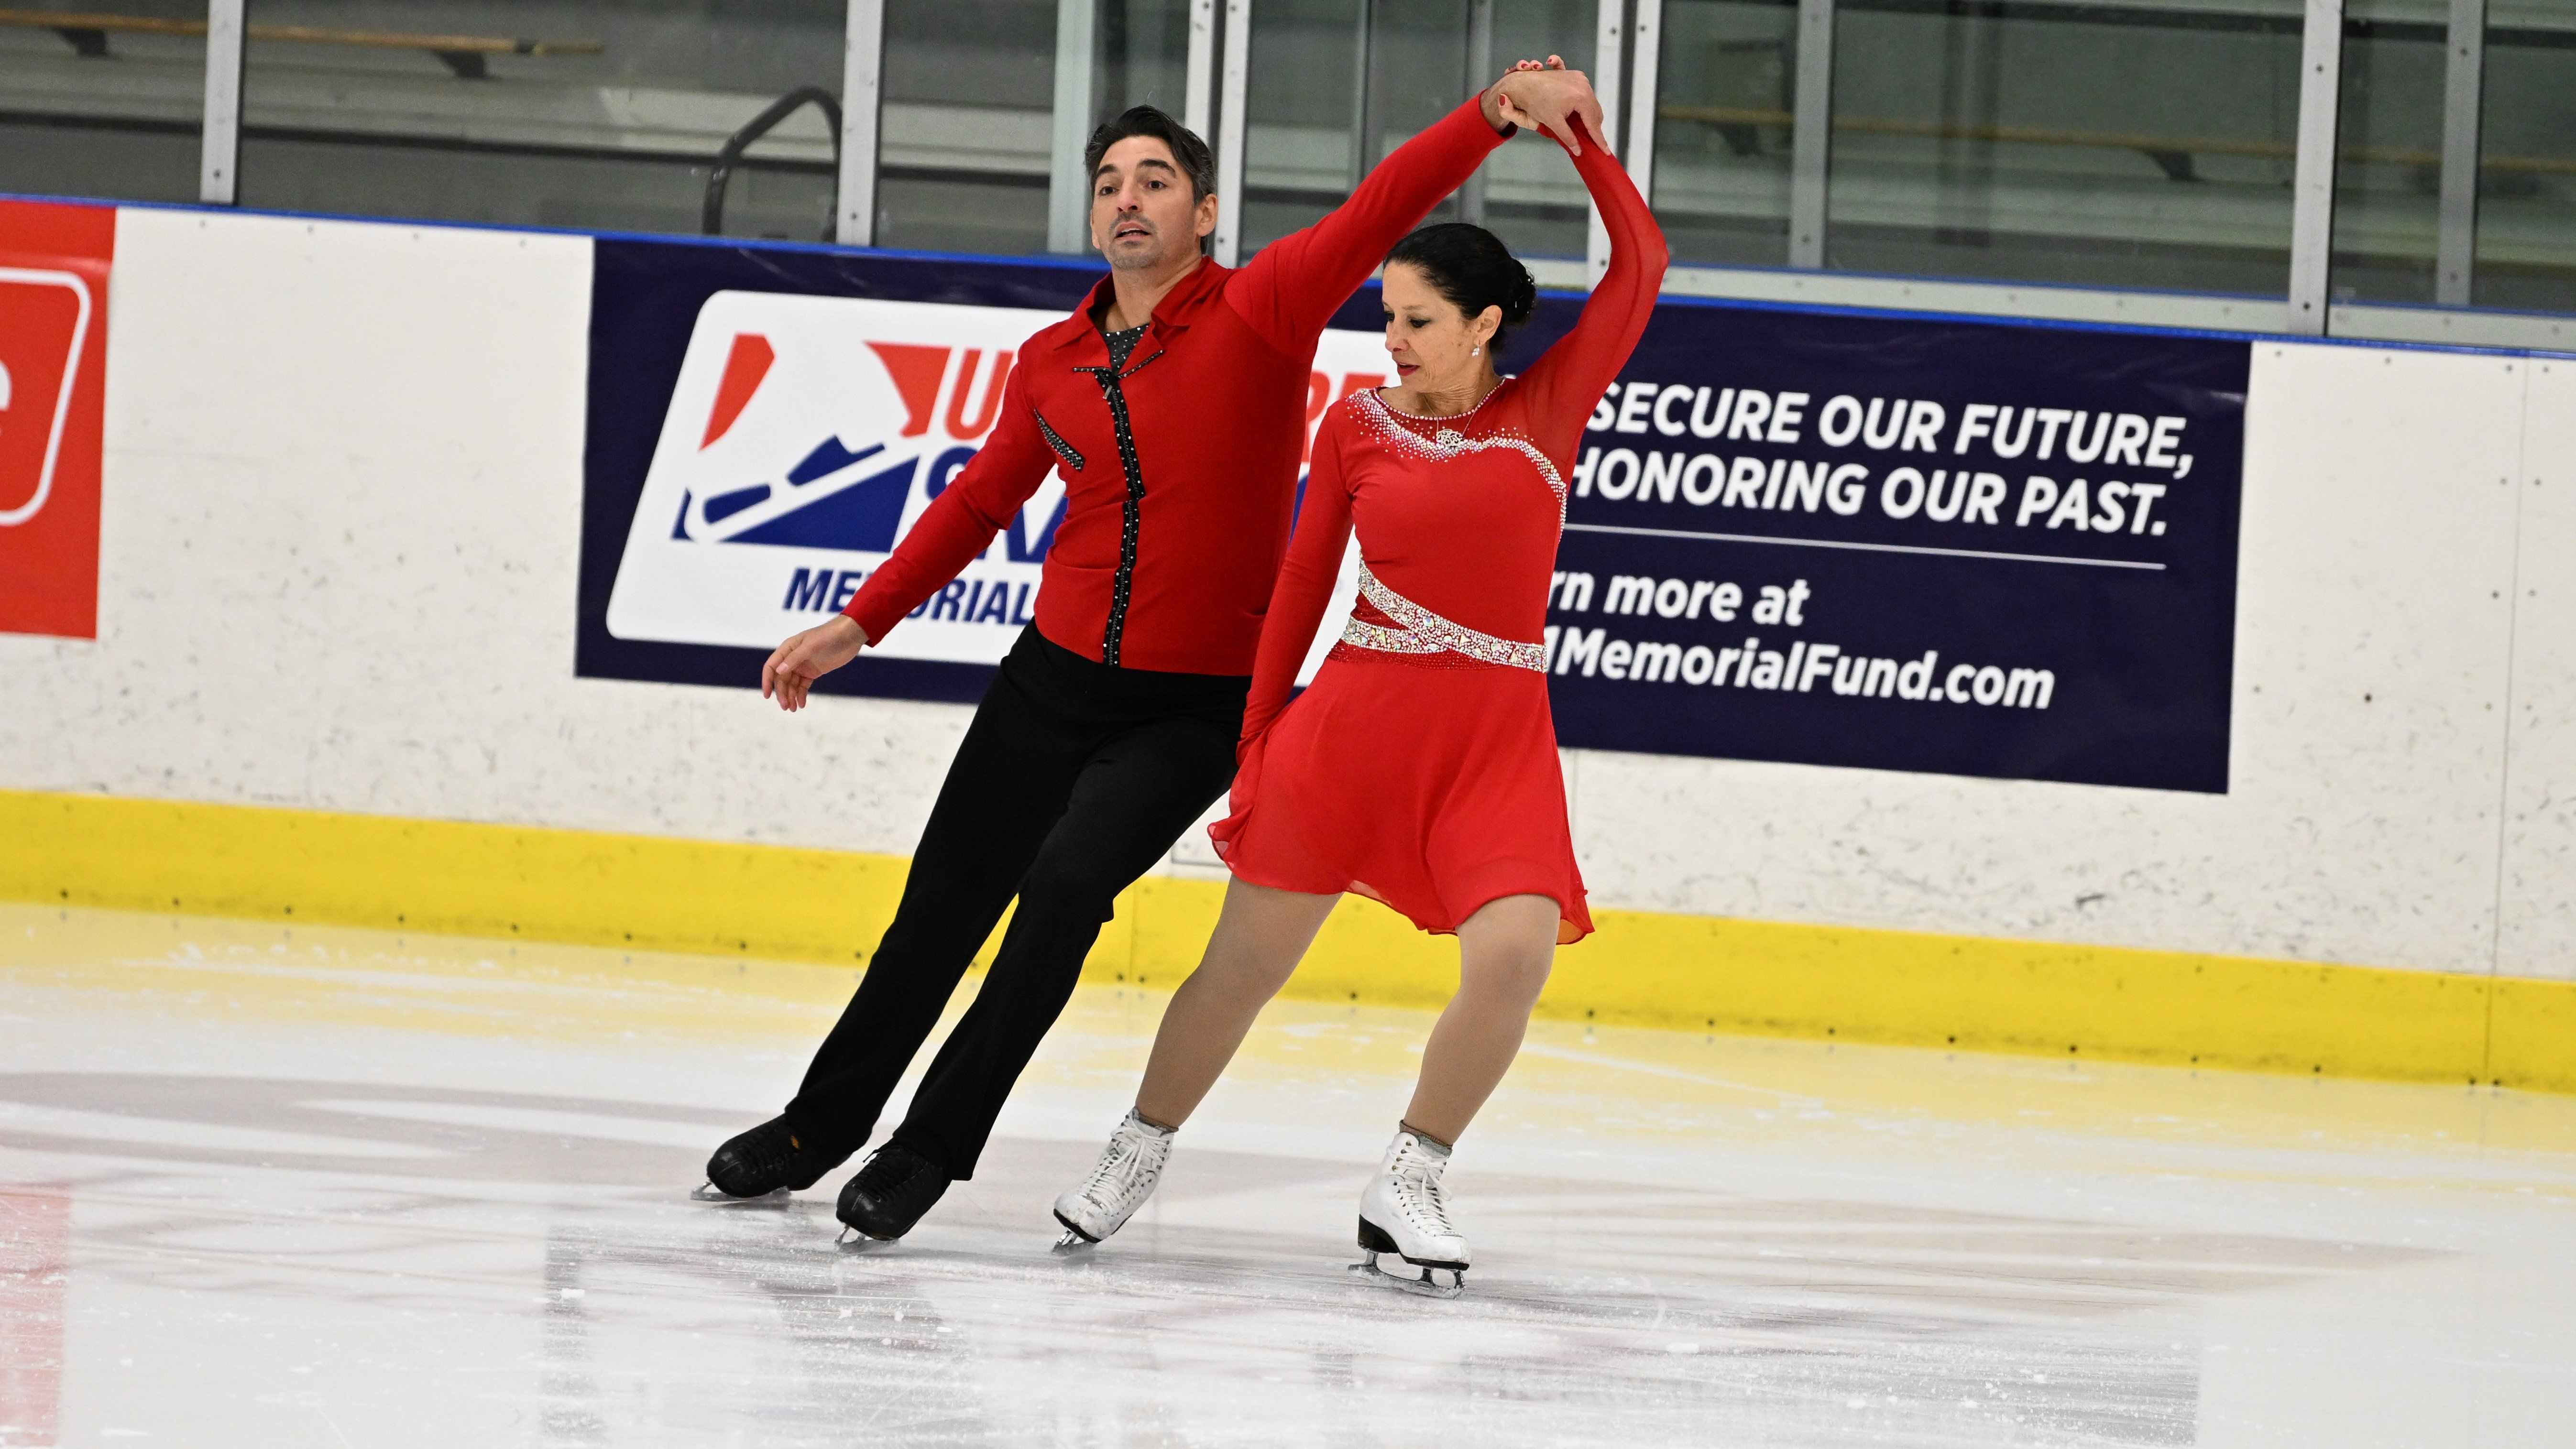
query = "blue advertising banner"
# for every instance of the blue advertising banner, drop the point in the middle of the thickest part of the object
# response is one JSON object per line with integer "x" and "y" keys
{"x": 1970, "y": 548}
{"x": 1939, "y": 545}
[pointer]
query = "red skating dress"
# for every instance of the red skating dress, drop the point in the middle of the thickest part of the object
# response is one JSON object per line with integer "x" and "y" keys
{"x": 1420, "y": 768}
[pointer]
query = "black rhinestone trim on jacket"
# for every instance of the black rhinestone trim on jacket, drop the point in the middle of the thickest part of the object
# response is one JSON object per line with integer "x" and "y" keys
{"x": 1062, "y": 448}
{"x": 1122, "y": 345}
{"x": 1123, "y": 583}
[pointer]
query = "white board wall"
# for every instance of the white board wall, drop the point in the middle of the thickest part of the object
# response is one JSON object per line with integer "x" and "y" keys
{"x": 2536, "y": 889}
{"x": 2375, "y": 640}
{"x": 343, "y": 500}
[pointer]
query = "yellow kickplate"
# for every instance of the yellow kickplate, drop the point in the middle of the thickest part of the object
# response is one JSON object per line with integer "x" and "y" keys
{"x": 2534, "y": 1042}
{"x": 2079, "y": 1002}
{"x": 445, "y": 876}
{"x": 1643, "y": 969}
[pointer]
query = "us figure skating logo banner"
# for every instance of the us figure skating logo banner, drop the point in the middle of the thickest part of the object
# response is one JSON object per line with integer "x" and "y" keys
{"x": 804, "y": 436}
{"x": 755, "y": 453}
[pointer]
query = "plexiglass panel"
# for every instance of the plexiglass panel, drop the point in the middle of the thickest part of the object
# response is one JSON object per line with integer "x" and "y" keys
{"x": 1533, "y": 199}
{"x": 2063, "y": 141}
{"x": 109, "y": 107}
{"x": 585, "y": 113}
{"x": 2388, "y": 171}
{"x": 2526, "y": 240}
{"x": 2033, "y": 141}
{"x": 967, "y": 126}
{"x": 1302, "y": 110}
{"x": 1422, "y": 58}
{"x": 1727, "y": 87}
{"x": 972, "y": 91}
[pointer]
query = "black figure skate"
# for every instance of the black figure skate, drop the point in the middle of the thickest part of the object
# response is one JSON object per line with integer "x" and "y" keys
{"x": 763, "y": 1166}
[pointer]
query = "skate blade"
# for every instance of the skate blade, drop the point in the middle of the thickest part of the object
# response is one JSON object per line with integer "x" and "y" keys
{"x": 1428, "y": 1285}
{"x": 777, "y": 1197}
{"x": 852, "y": 1240}
{"x": 1075, "y": 1240}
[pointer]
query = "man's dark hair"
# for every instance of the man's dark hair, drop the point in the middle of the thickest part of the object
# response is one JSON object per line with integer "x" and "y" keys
{"x": 1473, "y": 269}
{"x": 1187, "y": 149}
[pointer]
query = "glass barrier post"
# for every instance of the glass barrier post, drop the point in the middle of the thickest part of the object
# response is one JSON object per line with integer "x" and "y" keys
{"x": 1480, "y": 74}
{"x": 219, "y": 164}
{"x": 1199, "y": 98}
{"x": 1230, "y": 128}
{"x": 862, "y": 90}
{"x": 2463, "y": 100}
{"x": 1608, "y": 35}
{"x": 1644, "y": 92}
{"x": 1068, "y": 190}
{"x": 1811, "y": 133}
{"x": 2313, "y": 184}
{"x": 1363, "y": 94}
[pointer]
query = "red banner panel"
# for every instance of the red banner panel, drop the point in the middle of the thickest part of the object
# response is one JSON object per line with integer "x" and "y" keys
{"x": 53, "y": 383}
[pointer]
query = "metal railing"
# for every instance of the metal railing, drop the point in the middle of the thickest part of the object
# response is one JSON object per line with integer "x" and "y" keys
{"x": 466, "y": 55}
{"x": 711, "y": 213}
{"x": 2172, "y": 154}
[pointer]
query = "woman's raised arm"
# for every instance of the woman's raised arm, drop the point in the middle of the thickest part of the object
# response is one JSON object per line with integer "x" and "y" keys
{"x": 1565, "y": 382}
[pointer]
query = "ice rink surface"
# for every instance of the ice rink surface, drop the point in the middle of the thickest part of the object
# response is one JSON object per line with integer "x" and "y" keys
{"x": 269, "y": 1186}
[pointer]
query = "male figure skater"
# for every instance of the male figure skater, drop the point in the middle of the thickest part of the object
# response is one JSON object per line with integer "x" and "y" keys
{"x": 1173, "y": 403}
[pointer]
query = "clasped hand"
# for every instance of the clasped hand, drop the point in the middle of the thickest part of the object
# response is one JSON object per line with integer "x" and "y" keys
{"x": 1545, "y": 96}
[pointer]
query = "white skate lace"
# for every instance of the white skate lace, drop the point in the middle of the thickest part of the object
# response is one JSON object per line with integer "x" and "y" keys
{"x": 1114, "y": 1180}
{"x": 1418, "y": 1195}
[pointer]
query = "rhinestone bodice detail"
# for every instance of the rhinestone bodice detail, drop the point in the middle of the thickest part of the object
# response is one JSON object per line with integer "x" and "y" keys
{"x": 1417, "y": 630}
{"x": 1413, "y": 630}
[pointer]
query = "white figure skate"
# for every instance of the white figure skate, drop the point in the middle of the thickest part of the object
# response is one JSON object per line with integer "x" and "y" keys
{"x": 1403, "y": 1214}
{"x": 1125, "y": 1176}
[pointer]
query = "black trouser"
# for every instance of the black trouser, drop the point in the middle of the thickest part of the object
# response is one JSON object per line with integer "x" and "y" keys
{"x": 1073, "y": 780}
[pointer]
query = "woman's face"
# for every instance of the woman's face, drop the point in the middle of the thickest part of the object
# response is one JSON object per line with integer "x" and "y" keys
{"x": 1434, "y": 345}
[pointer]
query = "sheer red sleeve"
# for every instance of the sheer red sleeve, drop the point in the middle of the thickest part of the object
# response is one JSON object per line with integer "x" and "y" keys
{"x": 1305, "y": 587}
{"x": 1293, "y": 287}
{"x": 982, "y": 500}
{"x": 1565, "y": 383}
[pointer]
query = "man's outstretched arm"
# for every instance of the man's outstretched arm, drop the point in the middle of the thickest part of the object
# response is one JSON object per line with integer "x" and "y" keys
{"x": 982, "y": 500}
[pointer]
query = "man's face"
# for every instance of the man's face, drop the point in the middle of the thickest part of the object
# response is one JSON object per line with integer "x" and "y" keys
{"x": 1141, "y": 212}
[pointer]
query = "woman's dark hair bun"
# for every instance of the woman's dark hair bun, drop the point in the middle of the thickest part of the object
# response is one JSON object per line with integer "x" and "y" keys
{"x": 1524, "y": 299}
{"x": 1473, "y": 269}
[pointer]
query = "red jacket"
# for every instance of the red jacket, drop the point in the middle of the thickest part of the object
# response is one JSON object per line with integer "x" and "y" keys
{"x": 1217, "y": 396}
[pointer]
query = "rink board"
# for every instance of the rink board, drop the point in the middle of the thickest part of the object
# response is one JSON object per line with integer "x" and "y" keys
{"x": 1642, "y": 968}
{"x": 341, "y": 572}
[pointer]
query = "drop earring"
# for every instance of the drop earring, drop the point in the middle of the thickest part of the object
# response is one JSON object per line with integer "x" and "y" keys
{"x": 1476, "y": 351}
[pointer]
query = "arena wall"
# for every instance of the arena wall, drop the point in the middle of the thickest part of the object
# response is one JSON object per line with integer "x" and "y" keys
{"x": 342, "y": 505}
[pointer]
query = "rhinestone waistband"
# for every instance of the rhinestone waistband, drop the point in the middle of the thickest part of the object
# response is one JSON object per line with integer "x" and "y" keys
{"x": 1420, "y": 631}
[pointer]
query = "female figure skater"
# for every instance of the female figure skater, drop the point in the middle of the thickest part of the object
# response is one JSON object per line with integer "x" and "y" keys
{"x": 1420, "y": 769}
